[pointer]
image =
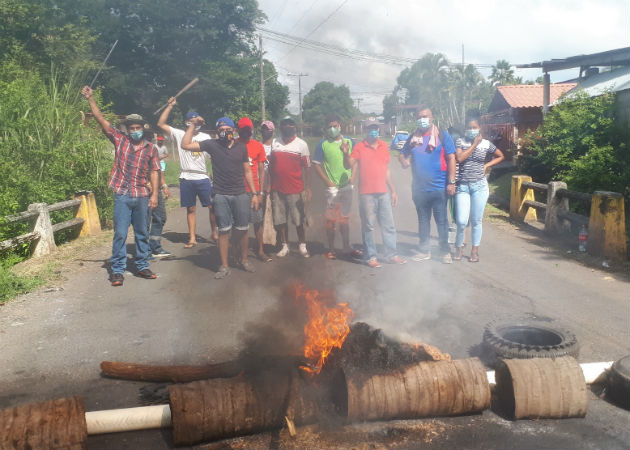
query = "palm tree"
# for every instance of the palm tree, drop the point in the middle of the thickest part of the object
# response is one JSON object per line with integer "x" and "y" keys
{"x": 502, "y": 74}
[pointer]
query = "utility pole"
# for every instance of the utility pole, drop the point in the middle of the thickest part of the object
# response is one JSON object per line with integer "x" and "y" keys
{"x": 300, "y": 75}
{"x": 262, "y": 78}
{"x": 463, "y": 91}
{"x": 359, "y": 104}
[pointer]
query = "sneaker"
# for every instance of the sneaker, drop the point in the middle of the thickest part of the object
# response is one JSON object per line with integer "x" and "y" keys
{"x": 397, "y": 260}
{"x": 421, "y": 256}
{"x": 284, "y": 251}
{"x": 304, "y": 251}
{"x": 147, "y": 274}
{"x": 161, "y": 254}
{"x": 447, "y": 259}
{"x": 247, "y": 266}
{"x": 222, "y": 273}
{"x": 374, "y": 264}
{"x": 117, "y": 279}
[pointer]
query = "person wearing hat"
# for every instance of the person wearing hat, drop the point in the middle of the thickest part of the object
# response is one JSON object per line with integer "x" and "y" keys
{"x": 289, "y": 165}
{"x": 136, "y": 162}
{"x": 232, "y": 203}
{"x": 194, "y": 181}
{"x": 162, "y": 151}
{"x": 257, "y": 161}
{"x": 377, "y": 195}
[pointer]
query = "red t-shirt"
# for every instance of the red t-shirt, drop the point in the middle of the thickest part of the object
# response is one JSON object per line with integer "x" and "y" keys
{"x": 373, "y": 163}
{"x": 256, "y": 153}
{"x": 285, "y": 164}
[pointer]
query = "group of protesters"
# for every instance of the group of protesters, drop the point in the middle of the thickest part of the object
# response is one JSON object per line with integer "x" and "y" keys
{"x": 250, "y": 177}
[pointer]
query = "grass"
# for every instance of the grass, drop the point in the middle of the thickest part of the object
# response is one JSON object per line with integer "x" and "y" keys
{"x": 12, "y": 283}
{"x": 501, "y": 185}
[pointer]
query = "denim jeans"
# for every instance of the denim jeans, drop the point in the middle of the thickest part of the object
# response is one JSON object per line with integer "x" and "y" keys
{"x": 130, "y": 211}
{"x": 157, "y": 219}
{"x": 373, "y": 208}
{"x": 427, "y": 202}
{"x": 470, "y": 201}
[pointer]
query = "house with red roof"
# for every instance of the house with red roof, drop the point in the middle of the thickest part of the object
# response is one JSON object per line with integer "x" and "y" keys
{"x": 516, "y": 109}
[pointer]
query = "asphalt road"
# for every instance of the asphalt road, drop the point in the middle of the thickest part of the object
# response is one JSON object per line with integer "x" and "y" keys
{"x": 52, "y": 341}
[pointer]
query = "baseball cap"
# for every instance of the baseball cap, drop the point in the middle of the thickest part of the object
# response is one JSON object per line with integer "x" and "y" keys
{"x": 192, "y": 115}
{"x": 245, "y": 122}
{"x": 269, "y": 124}
{"x": 287, "y": 121}
{"x": 134, "y": 118}
{"x": 225, "y": 122}
{"x": 160, "y": 138}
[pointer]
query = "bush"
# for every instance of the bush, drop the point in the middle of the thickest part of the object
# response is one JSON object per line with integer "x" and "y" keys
{"x": 581, "y": 144}
{"x": 12, "y": 284}
{"x": 47, "y": 154}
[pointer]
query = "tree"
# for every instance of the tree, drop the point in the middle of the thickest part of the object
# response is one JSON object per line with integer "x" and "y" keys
{"x": 581, "y": 143}
{"x": 163, "y": 44}
{"x": 326, "y": 98}
{"x": 503, "y": 74}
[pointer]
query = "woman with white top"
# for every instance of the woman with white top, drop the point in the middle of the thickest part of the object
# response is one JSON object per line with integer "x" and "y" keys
{"x": 472, "y": 187}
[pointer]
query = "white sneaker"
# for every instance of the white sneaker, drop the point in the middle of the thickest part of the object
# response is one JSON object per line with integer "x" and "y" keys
{"x": 304, "y": 251}
{"x": 284, "y": 251}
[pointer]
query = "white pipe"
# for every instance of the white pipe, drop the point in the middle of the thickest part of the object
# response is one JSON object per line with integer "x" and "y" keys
{"x": 592, "y": 372}
{"x": 128, "y": 419}
{"x": 159, "y": 416}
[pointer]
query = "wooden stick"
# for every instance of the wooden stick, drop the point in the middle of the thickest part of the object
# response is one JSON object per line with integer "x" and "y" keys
{"x": 174, "y": 374}
{"x": 182, "y": 90}
{"x": 103, "y": 65}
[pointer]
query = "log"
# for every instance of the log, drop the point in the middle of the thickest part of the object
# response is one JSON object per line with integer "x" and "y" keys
{"x": 174, "y": 374}
{"x": 541, "y": 388}
{"x": 55, "y": 424}
{"x": 222, "y": 408}
{"x": 440, "y": 388}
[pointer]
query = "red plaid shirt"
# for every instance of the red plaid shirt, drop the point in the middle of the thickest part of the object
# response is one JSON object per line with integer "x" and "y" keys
{"x": 132, "y": 166}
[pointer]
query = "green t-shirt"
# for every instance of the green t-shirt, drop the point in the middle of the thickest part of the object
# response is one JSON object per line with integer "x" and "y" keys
{"x": 330, "y": 156}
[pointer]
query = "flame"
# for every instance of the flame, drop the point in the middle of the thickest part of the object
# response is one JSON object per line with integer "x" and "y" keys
{"x": 327, "y": 327}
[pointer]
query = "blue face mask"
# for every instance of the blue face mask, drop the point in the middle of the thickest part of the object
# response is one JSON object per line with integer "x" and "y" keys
{"x": 471, "y": 134}
{"x": 373, "y": 134}
{"x": 136, "y": 135}
{"x": 424, "y": 123}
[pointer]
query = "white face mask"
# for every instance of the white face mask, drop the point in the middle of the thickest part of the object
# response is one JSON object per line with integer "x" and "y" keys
{"x": 197, "y": 127}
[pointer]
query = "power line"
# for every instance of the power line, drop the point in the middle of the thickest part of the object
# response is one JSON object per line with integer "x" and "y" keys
{"x": 315, "y": 29}
{"x": 334, "y": 50}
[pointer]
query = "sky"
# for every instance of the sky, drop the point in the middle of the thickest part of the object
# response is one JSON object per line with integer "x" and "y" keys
{"x": 518, "y": 31}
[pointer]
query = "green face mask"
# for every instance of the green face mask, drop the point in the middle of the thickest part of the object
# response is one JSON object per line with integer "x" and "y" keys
{"x": 333, "y": 132}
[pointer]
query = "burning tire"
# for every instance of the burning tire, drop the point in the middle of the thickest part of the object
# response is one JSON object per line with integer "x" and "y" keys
{"x": 523, "y": 340}
{"x": 618, "y": 383}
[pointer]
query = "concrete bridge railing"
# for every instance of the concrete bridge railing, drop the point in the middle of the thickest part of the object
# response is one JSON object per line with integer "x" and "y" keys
{"x": 606, "y": 221}
{"x": 42, "y": 230}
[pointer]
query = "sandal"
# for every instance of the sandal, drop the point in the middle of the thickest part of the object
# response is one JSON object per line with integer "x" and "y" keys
{"x": 474, "y": 257}
{"x": 190, "y": 245}
{"x": 374, "y": 264}
{"x": 117, "y": 279}
{"x": 330, "y": 255}
{"x": 459, "y": 254}
{"x": 354, "y": 254}
{"x": 147, "y": 274}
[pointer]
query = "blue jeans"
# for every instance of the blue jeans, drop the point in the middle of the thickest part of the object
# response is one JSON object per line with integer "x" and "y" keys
{"x": 427, "y": 202}
{"x": 470, "y": 201}
{"x": 377, "y": 207}
{"x": 130, "y": 211}
{"x": 157, "y": 219}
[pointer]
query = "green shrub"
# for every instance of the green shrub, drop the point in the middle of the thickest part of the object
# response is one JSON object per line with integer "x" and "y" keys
{"x": 12, "y": 284}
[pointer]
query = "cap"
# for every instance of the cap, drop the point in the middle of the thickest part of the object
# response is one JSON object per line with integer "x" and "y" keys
{"x": 245, "y": 122}
{"x": 192, "y": 115}
{"x": 134, "y": 118}
{"x": 225, "y": 122}
{"x": 160, "y": 138}
{"x": 287, "y": 121}
{"x": 370, "y": 122}
{"x": 269, "y": 124}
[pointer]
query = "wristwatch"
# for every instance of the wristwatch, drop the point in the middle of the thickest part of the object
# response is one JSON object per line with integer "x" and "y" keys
{"x": 453, "y": 181}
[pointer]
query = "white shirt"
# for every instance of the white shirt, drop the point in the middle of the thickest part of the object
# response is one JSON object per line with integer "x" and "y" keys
{"x": 193, "y": 161}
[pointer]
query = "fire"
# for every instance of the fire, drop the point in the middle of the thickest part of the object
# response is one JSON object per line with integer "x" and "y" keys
{"x": 327, "y": 327}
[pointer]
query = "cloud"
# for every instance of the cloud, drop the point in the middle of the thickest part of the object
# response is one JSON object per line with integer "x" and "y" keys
{"x": 518, "y": 31}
